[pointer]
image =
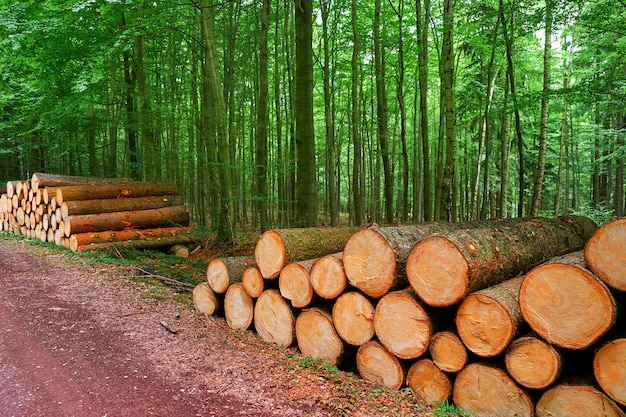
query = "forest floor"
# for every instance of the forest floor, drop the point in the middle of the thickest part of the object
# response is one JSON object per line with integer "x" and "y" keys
{"x": 84, "y": 336}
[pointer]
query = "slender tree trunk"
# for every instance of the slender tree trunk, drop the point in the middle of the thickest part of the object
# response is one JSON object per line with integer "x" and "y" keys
{"x": 618, "y": 197}
{"x": 262, "y": 119}
{"x": 146, "y": 129}
{"x": 357, "y": 190}
{"x": 563, "y": 150}
{"x": 505, "y": 146}
{"x": 422, "y": 30}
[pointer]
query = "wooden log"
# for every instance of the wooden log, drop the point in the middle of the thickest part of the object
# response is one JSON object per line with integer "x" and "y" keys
{"x": 223, "y": 272}
{"x": 443, "y": 269}
{"x": 609, "y": 368}
{"x": 487, "y": 391}
{"x": 566, "y": 304}
{"x": 252, "y": 282}
{"x": 576, "y": 400}
{"x": 41, "y": 179}
{"x": 73, "y": 208}
{"x": 402, "y": 325}
{"x": 353, "y": 316}
{"x": 238, "y": 307}
{"x": 317, "y": 337}
{"x": 141, "y": 244}
{"x": 11, "y": 186}
{"x": 182, "y": 235}
{"x": 104, "y": 191}
{"x": 327, "y": 276}
{"x": 279, "y": 247}
{"x": 295, "y": 285}
{"x": 273, "y": 319}
{"x": 428, "y": 383}
{"x": 447, "y": 351}
{"x": 488, "y": 320}
{"x": 204, "y": 300}
{"x": 141, "y": 219}
{"x": 376, "y": 364}
{"x": 604, "y": 254}
{"x": 532, "y": 362}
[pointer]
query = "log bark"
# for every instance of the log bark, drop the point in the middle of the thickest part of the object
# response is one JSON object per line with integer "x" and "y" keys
{"x": 604, "y": 254}
{"x": 204, "y": 300}
{"x": 488, "y": 320}
{"x": 609, "y": 368}
{"x": 105, "y": 191}
{"x": 487, "y": 391}
{"x": 447, "y": 351}
{"x": 576, "y": 400}
{"x": 402, "y": 325}
{"x": 277, "y": 248}
{"x": 317, "y": 337}
{"x": 180, "y": 235}
{"x": 141, "y": 219}
{"x": 273, "y": 319}
{"x": 353, "y": 315}
{"x": 532, "y": 362}
{"x": 328, "y": 277}
{"x": 141, "y": 244}
{"x": 445, "y": 268}
{"x": 376, "y": 364}
{"x": 295, "y": 285}
{"x": 223, "y": 272}
{"x": 40, "y": 180}
{"x": 73, "y": 208}
{"x": 428, "y": 383}
{"x": 238, "y": 307}
{"x": 566, "y": 304}
{"x": 252, "y": 282}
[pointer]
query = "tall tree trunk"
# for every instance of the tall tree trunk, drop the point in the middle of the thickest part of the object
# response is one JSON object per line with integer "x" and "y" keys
{"x": 357, "y": 190}
{"x": 146, "y": 129}
{"x": 262, "y": 119}
{"x": 422, "y": 30}
{"x": 279, "y": 127}
{"x": 563, "y": 150}
{"x": 306, "y": 186}
{"x": 618, "y": 197}
{"x": 543, "y": 125}
{"x": 505, "y": 146}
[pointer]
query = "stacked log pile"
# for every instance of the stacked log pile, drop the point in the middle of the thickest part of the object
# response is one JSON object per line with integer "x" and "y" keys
{"x": 85, "y": 213}
{"x": 504, "y": 317}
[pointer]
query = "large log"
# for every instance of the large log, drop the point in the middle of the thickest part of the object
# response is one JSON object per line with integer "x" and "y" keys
{"x": 376, "y": 364}
{"x": 566, "y": 304}
{"x": 609, "y": 368}
{"x": 604, "y": 254}
{"x": 181, "y": 235}
{"x": 328, "y": 277}
{"x": 487, "y": 320}
{"x": 73, "y": 208}
{"x": 428, "y": 383}
{"x": 141, "y": 219}
{"x": 487, "y": 391}
{"x": 238, "y": 307}
{"x": 445, "y": 268}
{"x": 41, "y": 179}
{"x": 576, "y": 400}
{"x": 402, "y": 325}
{"x": 533, "y": 362}
{"x": 448, "y": 351}
{"x": 295, "y": 285}
{"x": 104, "y": 191}
{"x": 273, "y": 319}
{"x": 279, "y": 247}
{"x": 222, "y": 272}
{"x": 317, "y": 337}
{"x": 140, "y": 244}
{"x": 204, "y": 300}
{"x": 353, "y": 315}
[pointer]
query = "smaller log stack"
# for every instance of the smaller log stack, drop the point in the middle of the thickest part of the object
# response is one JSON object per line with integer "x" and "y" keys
{"x": 503, "y": 317}
{"x": 84, "y": 213}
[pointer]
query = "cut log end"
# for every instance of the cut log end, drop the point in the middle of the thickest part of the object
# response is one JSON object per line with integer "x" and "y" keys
{"x": 328, "y": 277}
{"x": 204, "y": 300}
{"x": 269, "y": 253}
{"x": 295, "y": 286}
{"x": 353, "y": 315}
{"x": 437, "y": 271}
{"x": 217, "y": 276}
{"x": 252, "y": 282}
{"x": 376, "y": 364}
{"x": 609, "y": 368}
{"x": 273, "y": 319}
{"x": 604, "y": 254}
{"x": 448, "y": 351}
{"x": 238, "y": 307}
{"x": 370, "y": 263}
{"x": 532, "y": 362}
{"x": 317, "y": 337}
{"x": 580, "y": 400}
{"x": 428, "y": 383}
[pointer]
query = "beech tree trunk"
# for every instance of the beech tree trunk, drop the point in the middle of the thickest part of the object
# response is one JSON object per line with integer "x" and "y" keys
{"x": 608, "y": 368}
{"x": 566, "y": 304}
{"x": 238, "y": 307}
{"x": 533, "y": 362}
{"x": 604, "y": 254}
{"x": 164, "y": 217}
{"x": 204, "y": 300}
{"x": 294, "y": 283}
{"x": 353, "y": 315}
{"x": 41, "y": 179}
{"x": 274, "y": 319}
{"x": 448, "y": 351}
{"x": 576, "y": 400}
{"x": 445, "y": 268}
{"x": 223, "y": 272}
{"x": 328, "y": 277}
{"x": 317, "y": 338}
{"x": 487, "y": 391}
{"x": 376, "y": 364}
{"x": 428, "y": 383}
{"x": 109, "y": 205}
{"x": 488, "y": 320}
{"x": 252, "y": 282}
{"x": 276, "y": 248}
{"x": 106, "y": 191}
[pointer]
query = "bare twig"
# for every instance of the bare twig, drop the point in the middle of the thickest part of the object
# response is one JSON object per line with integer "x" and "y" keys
{"x": 167, "y": 327}
{"x": 171, "y": 281}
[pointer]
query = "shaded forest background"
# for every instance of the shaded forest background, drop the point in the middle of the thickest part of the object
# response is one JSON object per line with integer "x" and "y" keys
{"x": 297, "y": 113}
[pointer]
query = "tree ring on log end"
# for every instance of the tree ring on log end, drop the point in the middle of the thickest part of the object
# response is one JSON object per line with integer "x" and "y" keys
{"x": 217, "y": 276}
{"x": 370, "y": 262}
{"x": 566, "y": 400}
{"x": 295, "y": 286}
{"x": 353, "y": 316}
{"x": 428, "y": 383}
{"x": 317, "y": 338}
{"x": 605, "y": 254}
{"x": 376, "y": 364}
{"x": 269, "y": 254}
{"x": 437, "y": 271}
{"x": 610, "y": 370}
{"x": 273, "y": 319}
{"x": 532, "y": 362}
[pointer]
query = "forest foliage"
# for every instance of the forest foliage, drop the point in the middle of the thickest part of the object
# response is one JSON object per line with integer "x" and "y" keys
{"x": 300, "y": 112}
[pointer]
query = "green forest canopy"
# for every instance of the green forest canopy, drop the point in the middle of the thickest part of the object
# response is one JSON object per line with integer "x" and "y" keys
{"x": 292, "y": 113}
